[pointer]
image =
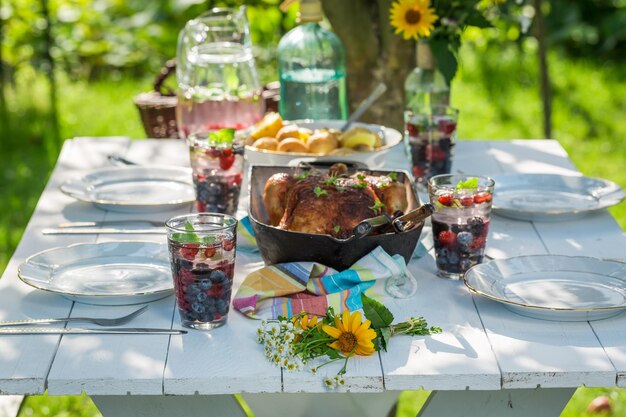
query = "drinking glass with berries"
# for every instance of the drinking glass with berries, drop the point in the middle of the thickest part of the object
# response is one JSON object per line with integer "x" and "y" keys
{"x": 202, "y": 255}
{"x": 217, "y": 169}
{"x": 429, "y": 137}
{"x": 460, "y": 221}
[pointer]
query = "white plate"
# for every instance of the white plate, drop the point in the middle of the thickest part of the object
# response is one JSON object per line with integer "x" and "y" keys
{"x": 553, "y": 287}
{"x": 134, "y": 188}
{"x": 109, "y": 273}
{"x": 549, "y": 197}
{"x": 373, "y": 159}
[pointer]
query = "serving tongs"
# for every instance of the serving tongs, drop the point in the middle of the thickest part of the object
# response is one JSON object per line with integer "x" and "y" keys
{"x": 396, "y": 224}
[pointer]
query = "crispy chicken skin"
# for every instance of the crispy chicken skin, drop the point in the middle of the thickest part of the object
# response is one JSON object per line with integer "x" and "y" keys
{"x": 274, "y": 195}
{"x": 333, "y": 205}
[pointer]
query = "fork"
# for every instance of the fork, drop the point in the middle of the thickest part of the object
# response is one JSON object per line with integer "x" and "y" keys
{"x": 99, "y": 321}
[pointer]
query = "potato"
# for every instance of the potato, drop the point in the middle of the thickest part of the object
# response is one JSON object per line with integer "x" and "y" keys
{"x": 292, "y": 145}
{"x": 289, "y": 131}
{"x": 267, "y": 143}
{"x": 322, "y": 142}
{"x": 267, "y": 127}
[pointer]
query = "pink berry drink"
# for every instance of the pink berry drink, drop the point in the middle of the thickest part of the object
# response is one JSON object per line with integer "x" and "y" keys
{"x": 198, "y": 116}
{"x": 203, "y": 265}
{"x": 460, "y": 222}
{"x": 217, "y": 170}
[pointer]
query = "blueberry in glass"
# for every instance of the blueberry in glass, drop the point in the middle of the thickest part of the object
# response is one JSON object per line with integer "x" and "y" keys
{"x": 217, "y": 169}
{"x": 460, "y": 222}
{"x": 202, "y": 253}
{"x": 430, "y": 134}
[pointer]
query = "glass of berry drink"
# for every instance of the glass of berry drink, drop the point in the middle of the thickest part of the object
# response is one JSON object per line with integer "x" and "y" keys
{"x": 217, "y": 169}
{"x": 460, "y": 221}
{"x": 202, "y": 255}
{"x": 429, "y": 137}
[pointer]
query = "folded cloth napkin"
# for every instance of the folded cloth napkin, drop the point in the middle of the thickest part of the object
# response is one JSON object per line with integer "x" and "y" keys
{"x": 290, "y": 288}
{"x": 245, "y": 236}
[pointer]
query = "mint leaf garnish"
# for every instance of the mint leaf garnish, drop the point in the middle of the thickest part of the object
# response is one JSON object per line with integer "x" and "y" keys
{"x": 189, "y": 237}
{"x": 185, "y": 237}
{"x": 393, "y": 176}
{"x": 208, "y": 240}
{"x": 469, "y": 183}
{"x": 226, "y": 135}
{"x": 336, "y": 229}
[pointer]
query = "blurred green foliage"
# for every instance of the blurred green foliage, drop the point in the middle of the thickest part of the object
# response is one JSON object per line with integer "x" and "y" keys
{"x": 116, "y": 38}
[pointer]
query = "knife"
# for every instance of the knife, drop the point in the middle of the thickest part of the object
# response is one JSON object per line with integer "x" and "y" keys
{"x": 108, "y": 223}
{"x": 76, "y": 330}
{"x": 103, "y": 230}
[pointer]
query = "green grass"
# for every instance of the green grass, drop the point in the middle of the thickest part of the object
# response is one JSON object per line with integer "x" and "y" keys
{"x": 68, "y": 406}
{"x": 496, "y": 90}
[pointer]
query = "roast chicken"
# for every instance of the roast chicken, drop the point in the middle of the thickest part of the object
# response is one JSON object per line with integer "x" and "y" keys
{"x": 331, "y": 203}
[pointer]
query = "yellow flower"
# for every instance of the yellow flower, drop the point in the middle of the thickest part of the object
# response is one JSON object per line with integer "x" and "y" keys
{"x": 413, "y": 18}
{"x": 304, "y": 322}
{"x": 353, "y": 337}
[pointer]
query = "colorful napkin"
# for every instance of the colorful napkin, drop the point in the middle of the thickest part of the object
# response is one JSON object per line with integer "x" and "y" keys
{"x": 290, "y": 288}
{"x": 245, "y": 236}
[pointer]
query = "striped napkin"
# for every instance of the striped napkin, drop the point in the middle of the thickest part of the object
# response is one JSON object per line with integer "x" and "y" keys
{"x": 245, "y": 236}
{"x": 290, "y": 288}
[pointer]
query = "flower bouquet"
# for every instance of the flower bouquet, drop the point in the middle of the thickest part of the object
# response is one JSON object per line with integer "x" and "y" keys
{"x": 441, "y": 23}
{"x": 294, "y": 343}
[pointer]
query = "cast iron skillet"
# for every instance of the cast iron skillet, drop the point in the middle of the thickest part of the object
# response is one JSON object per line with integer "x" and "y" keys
{"x": 278, "y": 246}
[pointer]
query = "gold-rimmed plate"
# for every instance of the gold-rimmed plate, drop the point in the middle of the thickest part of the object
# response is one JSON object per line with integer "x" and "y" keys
{"x": 134, "y": 188}
{"x": 107, "y": 273}
{"x": 553, "y": 287}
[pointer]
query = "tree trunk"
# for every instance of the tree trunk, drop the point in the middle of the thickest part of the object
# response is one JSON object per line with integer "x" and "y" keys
{"x": 546, "y": 94}
{"x": 374, "y": 54}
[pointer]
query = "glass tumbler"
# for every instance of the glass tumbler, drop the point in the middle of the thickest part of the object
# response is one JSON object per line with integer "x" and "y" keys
{"x": 430, "y": 136}
{"x": 202, "y": 255}
{"x": 217, "y": 171}
{"x": 218, "y": 84}
{"x": 460, "y": 221}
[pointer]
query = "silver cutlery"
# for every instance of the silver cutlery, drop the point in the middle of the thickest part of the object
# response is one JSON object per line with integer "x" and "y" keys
{"x": 69, "y": 330}
{"x": 104, "y": 230}
{"x": 99, "y": 321}
{"x": 116, "y": 159}
{"x": 107, "y": 223}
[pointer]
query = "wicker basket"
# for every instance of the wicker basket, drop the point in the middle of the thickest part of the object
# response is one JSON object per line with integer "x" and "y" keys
{"x": 158, "y": 108}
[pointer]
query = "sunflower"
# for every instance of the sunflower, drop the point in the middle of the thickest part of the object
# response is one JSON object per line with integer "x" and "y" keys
{"x": 413, "y": 18}
{"x": 352, "y": 336}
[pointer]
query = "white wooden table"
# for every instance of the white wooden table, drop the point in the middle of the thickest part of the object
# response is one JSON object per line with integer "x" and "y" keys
{"x": 487, "y": 362}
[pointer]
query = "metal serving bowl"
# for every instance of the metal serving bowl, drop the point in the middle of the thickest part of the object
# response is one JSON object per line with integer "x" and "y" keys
{"x": 278, "y": 245}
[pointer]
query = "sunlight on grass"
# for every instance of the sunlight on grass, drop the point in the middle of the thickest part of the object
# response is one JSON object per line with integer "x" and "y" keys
{"x": 66, "y": 406}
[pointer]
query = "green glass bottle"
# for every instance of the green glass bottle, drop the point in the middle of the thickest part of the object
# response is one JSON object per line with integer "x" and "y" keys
{"x": 312, "y": 69}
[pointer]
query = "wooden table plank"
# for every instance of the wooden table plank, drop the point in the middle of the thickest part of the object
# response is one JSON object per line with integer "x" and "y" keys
{"x": 135, "y": 362}
{"x": 534, "y": 352}
{"x": 25, "y": 360}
